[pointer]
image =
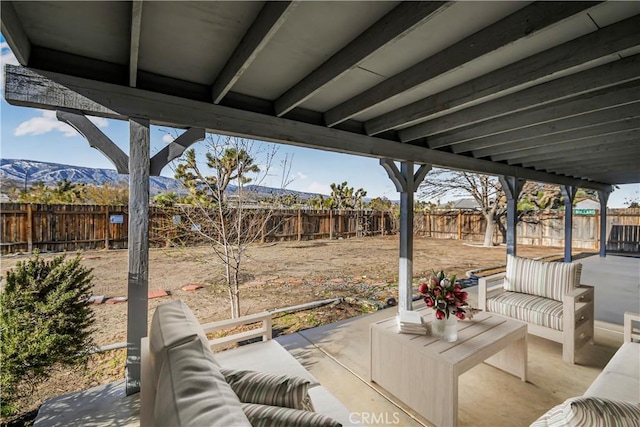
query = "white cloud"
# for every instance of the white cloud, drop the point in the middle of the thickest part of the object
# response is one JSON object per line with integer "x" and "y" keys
{"x": 48, "y": 122}
{"x": 167, "y": 139}
{"x": 7, "y": 57}
{"x": 316, "y": 187}
{"x": 299, "y": 175}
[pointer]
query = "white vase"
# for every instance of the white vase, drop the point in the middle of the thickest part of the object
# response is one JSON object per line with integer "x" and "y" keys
{"x": 446, "y": 329}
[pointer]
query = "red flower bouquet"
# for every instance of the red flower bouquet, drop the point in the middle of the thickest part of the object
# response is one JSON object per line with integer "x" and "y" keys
{"x": 445, "y": 295}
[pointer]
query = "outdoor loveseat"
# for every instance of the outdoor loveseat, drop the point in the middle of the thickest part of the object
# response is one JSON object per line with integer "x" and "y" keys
{"x": 547, "y": 296}
{"x": 184, "y": 383}
{"x": 614, "y": 397}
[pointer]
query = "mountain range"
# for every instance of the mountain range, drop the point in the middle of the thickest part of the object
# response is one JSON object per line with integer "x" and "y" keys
{"x": 21, "y": 173}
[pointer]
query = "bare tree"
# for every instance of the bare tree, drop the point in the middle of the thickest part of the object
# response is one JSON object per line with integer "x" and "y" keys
{"x": 488, "y": 194}
{"x": 484, "y": 189}
{"x": 222, "y": 211}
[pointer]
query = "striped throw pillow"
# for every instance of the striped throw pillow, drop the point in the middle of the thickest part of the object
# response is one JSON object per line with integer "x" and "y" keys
{"x": 544, "y": 279}
{"x": 269, "y": 389}
{"x": 268, "y": 416}
{"x": 592, "y": 412}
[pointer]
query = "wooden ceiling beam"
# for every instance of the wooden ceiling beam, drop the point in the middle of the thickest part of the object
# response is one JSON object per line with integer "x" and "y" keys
{"x": 394, "y": 25}
{"x": 586, "y": 159}
{"x": 523, "y": 23}
{"x": 584, "y": 169}
{"x": 594, "y": 147}
{"x": 601, "y": 130}
{"x": 571, "y": 124}
{"x": 549, "y": 115}
{"x": 134, "y": 50}
{"x": 539, "y": 67}
{"x": 621, "y": 177}
{"x": 48, "y": 90}
{"x": 271, "y": 17}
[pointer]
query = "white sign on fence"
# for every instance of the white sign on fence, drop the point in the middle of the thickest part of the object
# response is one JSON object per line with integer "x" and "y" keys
{"x": 116, "y": 219}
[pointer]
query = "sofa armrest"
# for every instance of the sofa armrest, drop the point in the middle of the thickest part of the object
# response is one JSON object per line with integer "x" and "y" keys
{"x": 488, "y": 285}
{"x": 577, "y": 320}
{"x": 582, "y": 294}
{"x": 631, "y": 334}
{"x": 263, "y": 331}
{"x": 577, "y": 305}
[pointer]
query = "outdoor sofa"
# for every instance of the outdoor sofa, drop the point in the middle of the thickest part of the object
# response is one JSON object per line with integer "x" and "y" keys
{"x": 613, "y": 398}
{"x": 185, "y": 384}
{"x": 547, "y": 296}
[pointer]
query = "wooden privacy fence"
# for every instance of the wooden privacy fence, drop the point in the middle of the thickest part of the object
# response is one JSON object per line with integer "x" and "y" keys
{"x": 539, "y": 229}
{"x": 58, "y": 228}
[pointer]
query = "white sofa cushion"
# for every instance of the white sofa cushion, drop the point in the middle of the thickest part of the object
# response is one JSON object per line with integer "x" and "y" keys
{"x": 545, "y": 279}
{"x": 266, "y": 356}
{"x": 193, "y": 392}
{"x": 173, "y": 323}
{"x": 620, "y": 379}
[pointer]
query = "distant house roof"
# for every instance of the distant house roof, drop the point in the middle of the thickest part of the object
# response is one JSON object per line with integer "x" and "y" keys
{"x": 587, "y": 204}
{"x": 460, "y": 204}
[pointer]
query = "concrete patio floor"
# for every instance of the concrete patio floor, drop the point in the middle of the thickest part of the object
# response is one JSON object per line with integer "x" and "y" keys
{"x": 338, "y": 356}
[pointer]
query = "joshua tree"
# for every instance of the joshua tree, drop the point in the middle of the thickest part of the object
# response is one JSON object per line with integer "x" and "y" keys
{"x": 226, "y": 224}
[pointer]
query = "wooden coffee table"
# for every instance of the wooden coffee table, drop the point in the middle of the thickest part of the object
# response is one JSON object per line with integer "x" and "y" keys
{"x": 422, "y": 371}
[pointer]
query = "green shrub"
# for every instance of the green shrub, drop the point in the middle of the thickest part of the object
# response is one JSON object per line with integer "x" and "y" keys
{"x": 45, "y": 322}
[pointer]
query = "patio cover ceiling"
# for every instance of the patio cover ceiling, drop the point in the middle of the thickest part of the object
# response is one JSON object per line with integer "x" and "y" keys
{"x": 546, "y": 91}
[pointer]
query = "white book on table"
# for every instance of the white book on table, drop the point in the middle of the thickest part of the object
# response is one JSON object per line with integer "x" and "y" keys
{"x": 411, "y": 322}
{"x": 407, "y": 317}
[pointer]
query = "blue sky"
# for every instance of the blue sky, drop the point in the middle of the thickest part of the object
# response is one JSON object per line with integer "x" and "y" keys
{"x": 33, "y": 134}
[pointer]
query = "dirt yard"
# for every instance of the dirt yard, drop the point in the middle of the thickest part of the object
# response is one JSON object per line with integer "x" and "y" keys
{"x": 276, "y": 275}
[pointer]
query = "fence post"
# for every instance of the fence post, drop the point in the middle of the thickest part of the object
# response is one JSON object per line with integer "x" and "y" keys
{"x": 29, "y": 228}
{"x": 299, "y": 224}
{"x": 459, "y": 224}
{"x": 540, "y": 230}
{"x": 107, "y": 224}
{"x": 382, "y": 222}
{"x": 330, "y": 224}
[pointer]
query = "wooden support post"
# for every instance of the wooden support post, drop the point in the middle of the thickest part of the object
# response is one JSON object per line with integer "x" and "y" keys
{"x": 382, "y": 223}
{"x": 597, "y": 225}
{"x": 405, "y": 276}
{"x": 512, "y": 187}
{"x": 107, "y": 226}
{"x": 604, "y": 198}
{"x": 340, "y": 223}
{"x": 29, "y": 228}
{"x": 138, "y": 248}
{"x": 459, "y": 224}
{"x": 569, "y": 194}
{"x": 299, "y": 224}
{"x": 406, "y": 183}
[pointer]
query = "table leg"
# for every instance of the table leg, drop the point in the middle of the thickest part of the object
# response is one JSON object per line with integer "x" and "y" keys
{"x": 513, "y": 359}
